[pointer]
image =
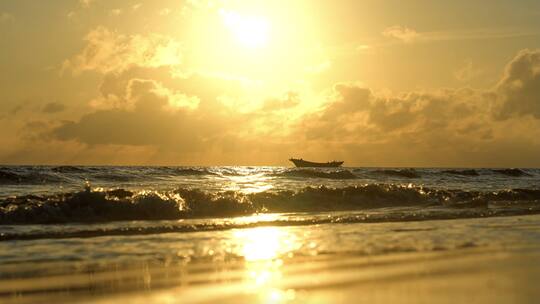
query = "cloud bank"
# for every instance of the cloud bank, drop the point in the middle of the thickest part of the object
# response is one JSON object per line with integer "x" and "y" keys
{"x": 148, "y": 103}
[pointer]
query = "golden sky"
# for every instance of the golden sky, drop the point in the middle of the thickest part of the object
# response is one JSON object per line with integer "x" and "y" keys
{"x": 217, "y": 82}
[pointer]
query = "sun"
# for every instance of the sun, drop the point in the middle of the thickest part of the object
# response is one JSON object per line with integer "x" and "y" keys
{"x": 249, "y": 31}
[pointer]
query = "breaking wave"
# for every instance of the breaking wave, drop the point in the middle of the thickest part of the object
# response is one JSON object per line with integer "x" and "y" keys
{"x": 307, "y": 173}
{"x": 124, "y": 205}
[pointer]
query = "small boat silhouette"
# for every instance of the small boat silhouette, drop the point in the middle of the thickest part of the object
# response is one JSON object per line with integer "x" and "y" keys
{"x": 300, "y": 163}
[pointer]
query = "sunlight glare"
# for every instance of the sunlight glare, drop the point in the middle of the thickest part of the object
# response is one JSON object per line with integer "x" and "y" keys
{"x": 263, "y": 249}
{"x": 261, "y": 243}
{"x": 249, "y": 31}
{"x": 253, "y": 183}
{"x": 266, "y": 243}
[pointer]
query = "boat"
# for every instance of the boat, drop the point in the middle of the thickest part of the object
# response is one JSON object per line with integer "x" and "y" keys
{"x": 300, "y": 163}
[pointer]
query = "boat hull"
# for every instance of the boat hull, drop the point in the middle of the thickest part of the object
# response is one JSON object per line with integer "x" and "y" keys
{"x": 300, "y": 163}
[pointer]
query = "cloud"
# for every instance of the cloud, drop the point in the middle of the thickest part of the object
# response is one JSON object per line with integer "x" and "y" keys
{"x": 458, "y": 127}
{"x": 71, "y": 15}
{"x": 164, "y": 11}
{"x": 115, "y": 12}
{"x": 364, "y": 47}
{"x": 149, "y": 121}
{"x": 476, "y": 34}
{"x": 519, "y": 89}
{"x": 107, "y": 51}
{"x": 143, "y": 104}
{"x": 401, "y": 33}
{"x": 354, "y": 110}
{"x": 205, "y": 88}
{"x": 5, "y": 17}
{"x": 320, "y": 68}
{"x": 152, "y": 106}
{"x": 53, "y": 107}
{"x": 408, "y": 35}
{"x": 467, "y": 72}
{"x": 290, "y": 100}
{"x": 86, "y": 3}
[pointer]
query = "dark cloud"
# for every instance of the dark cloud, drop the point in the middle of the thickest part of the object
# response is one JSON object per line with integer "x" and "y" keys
{"x": 149, "y": 122}
{"x": 18, "y": 108}
{"x": 356, "y": 110}
{"x": 53, "y": 107}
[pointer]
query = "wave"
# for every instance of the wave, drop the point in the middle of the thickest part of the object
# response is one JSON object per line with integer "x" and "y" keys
{"x": 7, "y": 177}
{"x": 69, "y": 169}
{"x": 89, "y": 206}
{"x": 12, "y": 177}
{"x": 39, "y": 175}
{"x": 342, "y": 174}
{"x": 191, "y": 171}
{"x": 117, "y": 176}
{"x": 407, "y": 173}
{"x": 43, "y": 175}
{"x": 123, "y": 205}
{"x": 511, "y": 172}
{"x": 467, "y": 172}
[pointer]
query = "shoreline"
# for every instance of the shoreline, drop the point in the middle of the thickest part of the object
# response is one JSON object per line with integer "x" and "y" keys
{"x": 490, "y": 259}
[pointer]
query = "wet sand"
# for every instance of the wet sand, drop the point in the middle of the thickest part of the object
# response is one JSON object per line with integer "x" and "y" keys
{"x": 463, "y": 276}
{"x": 493, "y": 260}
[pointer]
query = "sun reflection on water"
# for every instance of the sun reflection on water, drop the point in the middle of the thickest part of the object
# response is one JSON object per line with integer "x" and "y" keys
{"x": 252, "y": 183}
{"x": 263, "y": 250}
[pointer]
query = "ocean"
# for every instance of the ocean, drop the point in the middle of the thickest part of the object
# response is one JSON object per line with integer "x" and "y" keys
{"x": 268, "y": 234}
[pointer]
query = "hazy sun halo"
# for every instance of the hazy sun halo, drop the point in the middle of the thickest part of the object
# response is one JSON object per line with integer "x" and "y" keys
{"x": 249, "y": 31}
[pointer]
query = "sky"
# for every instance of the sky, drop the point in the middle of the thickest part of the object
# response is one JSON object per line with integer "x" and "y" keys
{"x": 238, "y": 82}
